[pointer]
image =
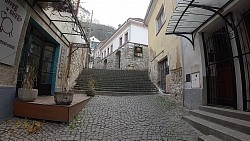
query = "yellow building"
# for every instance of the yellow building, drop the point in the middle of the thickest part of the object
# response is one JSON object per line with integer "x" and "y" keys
{"x": 165, "y": 61}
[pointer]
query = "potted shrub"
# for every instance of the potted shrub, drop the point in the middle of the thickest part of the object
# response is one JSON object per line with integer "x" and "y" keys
{"x": 91, "y": 87}
{"x": 65, "y": 95}
{"x": 27, "y": 93}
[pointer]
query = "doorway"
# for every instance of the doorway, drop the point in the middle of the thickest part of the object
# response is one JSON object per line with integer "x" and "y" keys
{"x": 118, "y": 58}
{"x": 220, "y": 69}
{"x": 39, "y": 51}
{"x": 164, "y": 68}
{"x": 105, "y": 63}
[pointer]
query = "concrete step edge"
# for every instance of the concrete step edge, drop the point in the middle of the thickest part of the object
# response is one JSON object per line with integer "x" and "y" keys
{"x": 221, "y": 132}
{"x": 233, "y": 123}
{"x": 227, "y": 112}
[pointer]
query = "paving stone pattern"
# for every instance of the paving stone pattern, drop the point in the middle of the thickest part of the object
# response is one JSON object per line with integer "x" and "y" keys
{"x": 128, "y": 118}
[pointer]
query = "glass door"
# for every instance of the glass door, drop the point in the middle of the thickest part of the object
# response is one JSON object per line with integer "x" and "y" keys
{"x": 46, "y": 69}
{"x": 39, "y": 52}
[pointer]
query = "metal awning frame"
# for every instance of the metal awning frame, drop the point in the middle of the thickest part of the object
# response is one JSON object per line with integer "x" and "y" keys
{"x": 216, "y": 10}
{"x": 74, "y": 19}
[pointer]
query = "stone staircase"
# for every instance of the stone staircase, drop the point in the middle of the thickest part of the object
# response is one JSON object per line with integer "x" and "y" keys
{"x": 220, "y": 124}
{"x": 116, "y": 82}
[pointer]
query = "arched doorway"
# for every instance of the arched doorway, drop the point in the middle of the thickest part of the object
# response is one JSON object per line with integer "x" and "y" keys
{"x": 118, "y": 58}
{"x": 105, "y": 63}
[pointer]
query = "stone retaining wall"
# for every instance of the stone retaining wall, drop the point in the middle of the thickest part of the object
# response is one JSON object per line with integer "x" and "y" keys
{"x": 127, "y": 59}
{"x": 176, "y": 85}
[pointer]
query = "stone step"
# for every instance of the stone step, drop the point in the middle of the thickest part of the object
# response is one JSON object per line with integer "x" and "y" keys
{"x": 79, "y": 91}
{"x": 112, "y": 93}
{"x": 208, "y": 138}
{"x": 117, "y": 86}
{"x": 116, "y": 90}
{"x": 115, "y": 73}
{"x": 121, "y": 81}
{"x": 122, "y": 90}
{"x": 233, "y": 123}
{"x": 219, "y": 131}
{"x": 227, "y": 112}
{"x": 118, "y": 80}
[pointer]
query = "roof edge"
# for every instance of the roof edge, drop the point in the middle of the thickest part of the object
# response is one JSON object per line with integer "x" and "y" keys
{"x": 149, "y": 13}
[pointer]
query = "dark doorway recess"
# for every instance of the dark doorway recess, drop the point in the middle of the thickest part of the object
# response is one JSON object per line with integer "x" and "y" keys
{"x": 118, "y": 58}
{"x": 164, "y": 72}
{"x": 220, "y": 69}
{"x": 105, "y": 63}
{"x": 38, "y": 51}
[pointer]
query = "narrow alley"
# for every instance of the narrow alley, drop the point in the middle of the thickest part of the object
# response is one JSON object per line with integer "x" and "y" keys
{"x": 124, "y": 70}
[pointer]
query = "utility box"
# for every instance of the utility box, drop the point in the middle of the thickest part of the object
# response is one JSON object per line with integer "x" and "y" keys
{"x": 195, "y": 79}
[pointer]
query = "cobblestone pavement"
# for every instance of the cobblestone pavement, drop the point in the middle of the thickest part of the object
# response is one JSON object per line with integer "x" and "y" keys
{"x": 149, "y": 117}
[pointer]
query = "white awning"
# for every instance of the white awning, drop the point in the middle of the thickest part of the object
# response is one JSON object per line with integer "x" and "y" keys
{"x": 190, "y": 15}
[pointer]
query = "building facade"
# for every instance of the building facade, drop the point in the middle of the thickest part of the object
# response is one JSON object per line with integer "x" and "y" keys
{"x": 93, "y": 44}
{"x": 215, "y": 52}
{"x": 125, "y": 49}
{"x": 165, "y": 55}
{"x": 32, "y": 36}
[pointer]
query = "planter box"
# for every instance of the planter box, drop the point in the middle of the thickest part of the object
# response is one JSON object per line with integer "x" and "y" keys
{"x": 45, "y": 108}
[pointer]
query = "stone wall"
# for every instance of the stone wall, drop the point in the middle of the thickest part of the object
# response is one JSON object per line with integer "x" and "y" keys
{"x": 154, "y": 67}
{"x": 127, "y": 59}
{"x": 78, "y": 61}
{"x": 176, "y": 83}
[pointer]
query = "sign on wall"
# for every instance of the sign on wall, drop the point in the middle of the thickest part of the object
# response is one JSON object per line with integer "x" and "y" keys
{"x": 12, "y": 16}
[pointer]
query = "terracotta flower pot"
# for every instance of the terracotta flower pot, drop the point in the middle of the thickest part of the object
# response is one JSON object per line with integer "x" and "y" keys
{"x": 63, "y": 98}
{"x": 27, "y": 95}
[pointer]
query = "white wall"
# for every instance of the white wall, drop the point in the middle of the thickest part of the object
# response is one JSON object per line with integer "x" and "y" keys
{"x": 136, "y": 34}
{"x": 115, "y": 41}
{"x": 139, "y": 34}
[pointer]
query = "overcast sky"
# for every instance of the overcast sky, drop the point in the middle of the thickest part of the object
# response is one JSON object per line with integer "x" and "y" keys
{"x": 114, "y": 12}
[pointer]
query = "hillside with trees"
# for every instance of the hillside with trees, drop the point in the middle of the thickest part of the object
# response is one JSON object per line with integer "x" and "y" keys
{"x": 100, "y": 31}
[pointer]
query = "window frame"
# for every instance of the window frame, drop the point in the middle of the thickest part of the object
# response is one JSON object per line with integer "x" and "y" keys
{"x": 126, "y": 37}
{"x": 120, "y": 41}
{"x": 161, "y": 17}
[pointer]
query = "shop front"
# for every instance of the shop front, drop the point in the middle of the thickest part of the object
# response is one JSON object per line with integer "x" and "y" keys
{"x": 37, "y": 34}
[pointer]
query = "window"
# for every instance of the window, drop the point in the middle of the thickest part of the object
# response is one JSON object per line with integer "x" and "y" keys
{"x": 108, "y": 51}
{"x": 105, "y": 53}
{"x": 111, "y": 48}
{"x": 120, "y": 41}
{"x": 102, "y": 55}
{"x": 160, "y": 19}
{"x": 137, "y": 51}
{"x": 126, "y": 37}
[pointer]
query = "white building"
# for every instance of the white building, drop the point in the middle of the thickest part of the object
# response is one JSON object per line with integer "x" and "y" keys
{"x": 128, "y": 43}
{"x": 93, "y": 44}
{"x": 85, "y": 16}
